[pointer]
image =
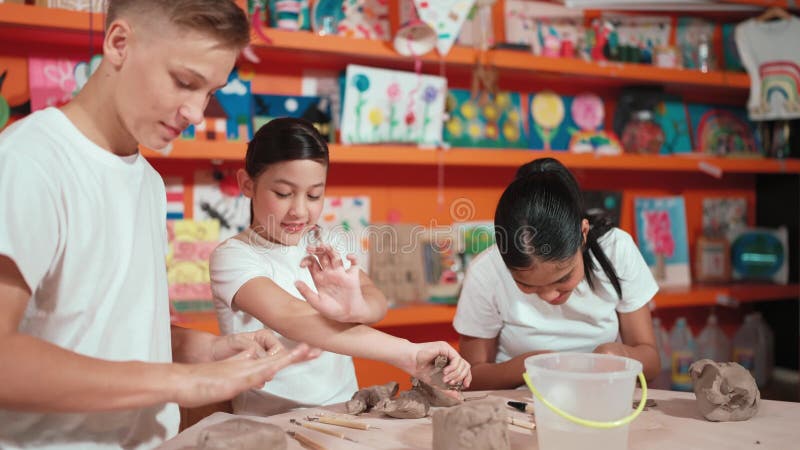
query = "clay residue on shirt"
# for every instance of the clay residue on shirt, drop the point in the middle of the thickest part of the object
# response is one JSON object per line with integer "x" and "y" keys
{"x": 475, "y": 425}
{"x": 725, "y": 391}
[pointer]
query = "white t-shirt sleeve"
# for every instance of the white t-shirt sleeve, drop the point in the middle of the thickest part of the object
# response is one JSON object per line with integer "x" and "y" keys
{"x": 231, "y": 266}
{"x": 29, "y": 228}
{"x": 477, "y": 313}
{"x": 636, "y": 279}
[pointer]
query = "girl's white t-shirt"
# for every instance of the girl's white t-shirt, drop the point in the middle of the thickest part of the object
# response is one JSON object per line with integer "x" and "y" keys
{"x": 328, "y": 379}
{"x": 491, "y": 305}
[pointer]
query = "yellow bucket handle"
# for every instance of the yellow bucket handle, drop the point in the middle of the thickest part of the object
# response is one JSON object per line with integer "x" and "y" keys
{"x": 586, "y": 422}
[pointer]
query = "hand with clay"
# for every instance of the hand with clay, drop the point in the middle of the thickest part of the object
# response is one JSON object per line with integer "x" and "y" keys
{"x": 339, "y": 296}
{"x": 455, "y": 374}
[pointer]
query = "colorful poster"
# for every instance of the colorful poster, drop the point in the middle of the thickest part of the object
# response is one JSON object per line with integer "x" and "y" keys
{"x": 670, "y": 114}
{"x": 488, "y": 121}
{"x": 190, "y": 246}
{"x": 382, "y": 105}
{"x": 723, "y": 215}
{"x": 316, "y": 110}
{"x": 722, "y": 130}
{"x": 217, "y": 196}
{"x": 588, "y": 111}
{"x": 550, "y": 29}
{"x": 446, "y": 17}
{"x": 663, "y": 239}
{"x": 174, "y": 188}
{"x": 228, "y": 115}
{"x": 603, "y": 203}
{"x": 344, "y": 222}
{"x": 55, "y": 81}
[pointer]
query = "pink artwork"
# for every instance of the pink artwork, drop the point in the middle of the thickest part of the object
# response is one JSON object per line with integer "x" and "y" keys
{"x": 658, "y": 232}
{"x": 51, "y": 81}
{"x": 587, "y": 111}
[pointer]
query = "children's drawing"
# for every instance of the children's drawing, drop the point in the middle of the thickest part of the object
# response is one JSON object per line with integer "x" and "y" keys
{"x": 724, "y": 215}
{"x": 316, "y": 110}
{"x": 722, "y": 130}
{"x": 547, "y": 113}
{"x": 190, "y": 246}
{"x": 383, "y": 105}
{"x": 662, "y": 237}
{"x": 367, "y": 19}
{"x": 345, "y": 222}
{"x": 670, "y": 114}
{"x": 588, "y": 112}
{"x": 488, "y": 121}
{"x": 217, "y": 197}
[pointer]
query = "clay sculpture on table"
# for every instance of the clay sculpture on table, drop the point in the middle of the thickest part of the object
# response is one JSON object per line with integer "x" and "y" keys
{"x": 408, "y": 405}
{"x": 475, "y": 425}
{"x": 724, "y": 391}
{"x": 242, "y": 434}
{"x": 366, "y": 399}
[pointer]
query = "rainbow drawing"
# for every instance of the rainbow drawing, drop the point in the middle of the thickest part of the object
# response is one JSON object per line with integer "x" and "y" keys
{"x": 780, "y": 89}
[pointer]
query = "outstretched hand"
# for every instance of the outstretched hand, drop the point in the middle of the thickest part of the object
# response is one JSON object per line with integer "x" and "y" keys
{"x": 201, "y": 384}
{"x": 338, "y": 296}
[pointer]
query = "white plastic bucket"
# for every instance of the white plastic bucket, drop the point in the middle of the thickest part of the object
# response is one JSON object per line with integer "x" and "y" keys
{"x": 583, "y": 400}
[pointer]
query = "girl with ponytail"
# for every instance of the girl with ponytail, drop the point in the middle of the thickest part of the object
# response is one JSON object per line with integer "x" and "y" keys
{"x": 556, "y": 280}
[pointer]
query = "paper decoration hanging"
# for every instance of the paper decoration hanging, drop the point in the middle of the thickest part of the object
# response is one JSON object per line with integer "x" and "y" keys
{"x": 663, "y": 239}
{"x": 383, "y": 105}
{"x": 345, "y": 224}
{"x": 488, "y": 121}
{"x": 446, "y": 17}
{"x": 217, "y": 197}
{"x": 190, "y": 246}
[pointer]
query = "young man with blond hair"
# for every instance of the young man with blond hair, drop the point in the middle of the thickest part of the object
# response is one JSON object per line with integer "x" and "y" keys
{"x": 88, "y": 357}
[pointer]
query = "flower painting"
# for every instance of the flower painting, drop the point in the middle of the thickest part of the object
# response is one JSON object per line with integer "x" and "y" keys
{"x": 663, "y": 240}
{"x": 383, "y": 105}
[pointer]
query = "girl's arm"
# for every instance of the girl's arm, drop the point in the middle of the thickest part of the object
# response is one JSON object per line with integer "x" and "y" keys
{"x": 638, "y": 341}
{"x": 299, "y": 321}
{"x": 486, "y": 374}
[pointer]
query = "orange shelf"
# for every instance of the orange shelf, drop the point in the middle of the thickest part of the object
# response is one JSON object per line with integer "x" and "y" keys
{"x": 306, "y": 46}
{"x": 410, "y": 155}
{"x": 36, "y": 24}
{"x": 428, "y": 314}
{"x": 708, "y": 295}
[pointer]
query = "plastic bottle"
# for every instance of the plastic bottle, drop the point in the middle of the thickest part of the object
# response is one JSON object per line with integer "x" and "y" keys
{"x": 712, "y": 343}
{"x": 664, "y": 378}
{"x": 768, "y": 348}
{"x": 750, "y": 349}
{"x": 683, "y": 355}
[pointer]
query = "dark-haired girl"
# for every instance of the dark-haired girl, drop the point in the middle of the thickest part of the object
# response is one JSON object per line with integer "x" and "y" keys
{"x": 555, "y": 281}
{"x": 266, "y": 276}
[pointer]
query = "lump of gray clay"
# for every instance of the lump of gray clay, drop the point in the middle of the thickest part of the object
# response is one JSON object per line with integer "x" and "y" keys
{"x": 725, "y": 391}
{"x": 366, "y": 399}
{"x": 475, "y": 425}
{"x": 435, "y": 396}
{"x": 242, "y": 434}
{"x": 408, "y": 405}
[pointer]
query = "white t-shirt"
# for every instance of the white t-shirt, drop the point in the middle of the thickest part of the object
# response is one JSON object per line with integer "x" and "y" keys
{"x": 328, "y": 379}
{"x": 491, "y": 305}
{"x": 773, "y": 63}
{"x": 87, "y": 230}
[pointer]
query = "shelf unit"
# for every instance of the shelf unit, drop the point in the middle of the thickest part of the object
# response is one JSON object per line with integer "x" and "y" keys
{"x": 415, "y": 156}
{"x": 422, "y": 314}
{"x": 31, "y": 27}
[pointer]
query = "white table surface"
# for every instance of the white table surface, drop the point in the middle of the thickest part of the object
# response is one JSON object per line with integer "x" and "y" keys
{"x": 674, "y": 423}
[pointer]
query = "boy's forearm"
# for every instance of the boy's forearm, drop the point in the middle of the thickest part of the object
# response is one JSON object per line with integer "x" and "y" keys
{"x": 38, "y": 376}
